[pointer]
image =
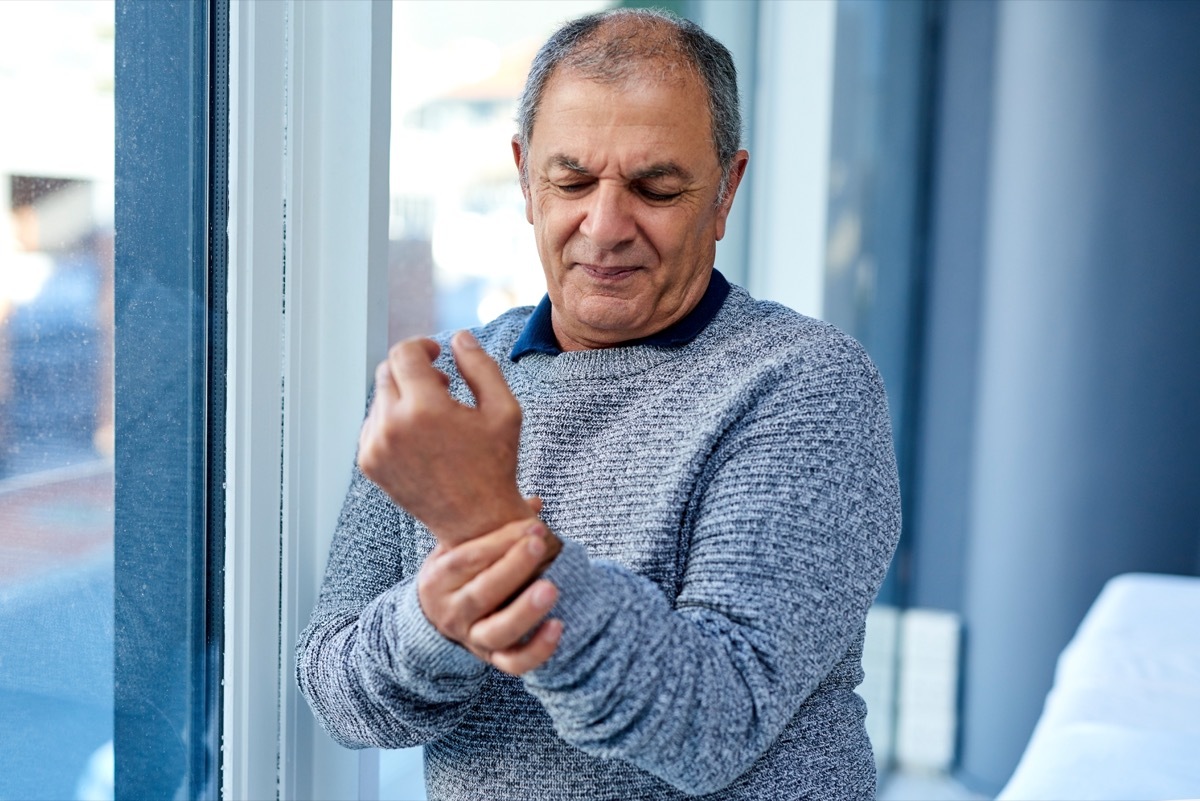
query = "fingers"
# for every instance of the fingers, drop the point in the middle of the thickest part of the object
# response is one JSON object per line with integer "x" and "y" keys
{"x": 483, "y": 376}
{"x": 496, "y": 584}
{"x": 531, "y": 654}
{"x": 483, "y": 594}
{"x": 386, "y": 395}
{"x": 505, "y": 628}
{"x": 534, "y": 502}
{"x": 471, "y": 581}
{"x": 385, "y": 386}
{"x": 411, "y": 366}
{"x": 452, "y": 568}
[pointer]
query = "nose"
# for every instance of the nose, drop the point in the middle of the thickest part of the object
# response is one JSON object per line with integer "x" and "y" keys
{"x": 608, "y": 222}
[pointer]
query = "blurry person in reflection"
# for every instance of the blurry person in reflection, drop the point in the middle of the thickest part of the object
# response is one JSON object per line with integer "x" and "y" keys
{"x": 620, "y": 545}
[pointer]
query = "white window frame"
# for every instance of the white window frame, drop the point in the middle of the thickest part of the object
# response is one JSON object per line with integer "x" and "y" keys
{"x": 309, "y": 133}
{"x": 793, "y": 108}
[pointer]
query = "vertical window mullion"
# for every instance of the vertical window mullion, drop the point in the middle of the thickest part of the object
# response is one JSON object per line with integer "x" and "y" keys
{"x": 218, "y": 208}
{"x": 309, "y": 84}
{"x": 250, "y": 734}
{"x": 335, "y": 330}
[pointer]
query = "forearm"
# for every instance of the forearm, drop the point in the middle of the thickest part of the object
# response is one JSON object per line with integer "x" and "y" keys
{"x": 372, "y": 668}
{"x": 685, "y": 694}
{"x": 385, "y": 678}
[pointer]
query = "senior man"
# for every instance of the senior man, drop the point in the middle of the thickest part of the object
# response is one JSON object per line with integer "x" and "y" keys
{"x": 622, "y": 545}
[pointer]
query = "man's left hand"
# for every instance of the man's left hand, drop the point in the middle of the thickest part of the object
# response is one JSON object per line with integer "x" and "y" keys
{"x": 485, "y": 595}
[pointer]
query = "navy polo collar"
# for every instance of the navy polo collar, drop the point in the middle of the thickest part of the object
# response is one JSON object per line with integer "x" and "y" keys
{"x": 538, "y": 335}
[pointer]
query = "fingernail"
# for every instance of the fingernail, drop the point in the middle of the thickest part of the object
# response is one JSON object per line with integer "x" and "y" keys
{"x": 543, "y": 596}
{"x": 552, "y": 630}
{"x": 536, "y": 546}
{"x": 536, "y": 529}
{"x": 466, "y": 340}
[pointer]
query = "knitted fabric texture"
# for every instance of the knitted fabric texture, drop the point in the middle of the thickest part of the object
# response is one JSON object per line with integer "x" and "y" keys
{"x": 728, "y": 510}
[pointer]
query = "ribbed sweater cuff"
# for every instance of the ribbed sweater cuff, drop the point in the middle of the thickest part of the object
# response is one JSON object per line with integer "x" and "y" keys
{"x": 419, "y": 649}
{"x": 585, "y": 602}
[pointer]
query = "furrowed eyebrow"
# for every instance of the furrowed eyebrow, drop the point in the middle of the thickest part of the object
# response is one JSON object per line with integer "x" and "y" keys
{"x": 568, "y": 163}
{"x": 666, "y": 169}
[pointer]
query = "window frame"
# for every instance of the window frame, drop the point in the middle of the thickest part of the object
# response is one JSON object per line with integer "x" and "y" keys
{"x": 310, "y": 84}
{"x": 791, "y": 133}
{"x": 169, "y": 395}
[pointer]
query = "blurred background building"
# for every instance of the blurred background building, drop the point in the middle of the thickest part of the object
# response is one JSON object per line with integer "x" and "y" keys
{"x": 56, "y": 412}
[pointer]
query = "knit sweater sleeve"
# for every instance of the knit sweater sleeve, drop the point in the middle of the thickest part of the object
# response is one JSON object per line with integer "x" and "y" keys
{"x": 374, "y": 670}
{"x": 795, "y": 522}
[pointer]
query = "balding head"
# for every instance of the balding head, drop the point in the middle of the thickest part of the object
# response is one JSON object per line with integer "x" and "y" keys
{"x": 629, "y": 45}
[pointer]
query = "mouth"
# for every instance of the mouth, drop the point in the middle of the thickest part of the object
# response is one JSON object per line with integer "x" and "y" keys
{"x": 607, "y": 274}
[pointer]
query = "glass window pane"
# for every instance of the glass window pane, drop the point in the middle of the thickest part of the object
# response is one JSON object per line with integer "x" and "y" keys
{"x": 103, "y": 684}
{"x": 56, "y": 409}
{"x": 461, "y": 251}
{"x": 878, "y": 186}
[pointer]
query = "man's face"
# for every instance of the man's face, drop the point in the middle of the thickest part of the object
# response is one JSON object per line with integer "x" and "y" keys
{"x": 622, "y": 194}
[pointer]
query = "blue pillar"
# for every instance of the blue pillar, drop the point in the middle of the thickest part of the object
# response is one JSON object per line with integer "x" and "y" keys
{"x": 1086, "y": 437}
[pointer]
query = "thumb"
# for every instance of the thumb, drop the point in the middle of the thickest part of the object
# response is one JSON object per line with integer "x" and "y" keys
{"x": 483, "y": 376}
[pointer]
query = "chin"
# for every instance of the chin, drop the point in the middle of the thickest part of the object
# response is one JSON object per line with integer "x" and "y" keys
{"x": 611, "y": 317}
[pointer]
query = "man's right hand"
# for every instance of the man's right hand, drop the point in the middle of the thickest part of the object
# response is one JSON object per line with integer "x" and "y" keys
{"x": 451, "y": 466}
{"x": 467, "y": 592}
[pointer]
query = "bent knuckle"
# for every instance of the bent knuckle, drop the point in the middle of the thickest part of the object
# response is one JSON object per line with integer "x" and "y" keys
{"x": 463, "y": 560}
{"x": 450, "y": 628}
{"x": 506, "y": 663}
{"x": 434, "y": 573}
{"x": 368, "y": 459}
{"x": 472, "y": 601}
{"x": 510, "y": 412}
{"x": 484, "y": 637}
{"x": 402, "y": 347}
{"x": 427, "y": 582}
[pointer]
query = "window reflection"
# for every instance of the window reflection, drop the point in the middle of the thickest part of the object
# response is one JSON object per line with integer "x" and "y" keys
{"x": 56, "y": 433}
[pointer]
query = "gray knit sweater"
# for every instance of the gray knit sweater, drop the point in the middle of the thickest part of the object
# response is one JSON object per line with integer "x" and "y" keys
{"x": 728, "y": 509}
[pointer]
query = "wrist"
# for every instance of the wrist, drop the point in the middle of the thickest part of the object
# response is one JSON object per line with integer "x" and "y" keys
{"x": 486, "y": 517}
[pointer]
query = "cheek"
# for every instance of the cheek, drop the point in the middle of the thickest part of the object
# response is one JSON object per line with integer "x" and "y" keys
{"x": 672, "y": 238}
{"x": 686, "y": 249}
{"x": 553, "y": 227}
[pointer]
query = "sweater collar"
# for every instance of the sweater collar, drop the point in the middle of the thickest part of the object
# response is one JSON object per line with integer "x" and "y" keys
{"x": 538, "y": 334}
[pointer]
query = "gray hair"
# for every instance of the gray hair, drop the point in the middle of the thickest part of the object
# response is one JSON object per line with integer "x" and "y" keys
{"x": 638, "y": 38}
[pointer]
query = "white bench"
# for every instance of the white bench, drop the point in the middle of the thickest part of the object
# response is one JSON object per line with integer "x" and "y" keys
{"x": 1122, "y": 720}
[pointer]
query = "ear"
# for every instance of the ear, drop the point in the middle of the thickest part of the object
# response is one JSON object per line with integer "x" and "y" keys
{"x": 736, "y": 172}
{"x": 523, "y": 177}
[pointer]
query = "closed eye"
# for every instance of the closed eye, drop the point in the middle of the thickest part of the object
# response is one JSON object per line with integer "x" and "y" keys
{"x": 657, "y": 197}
